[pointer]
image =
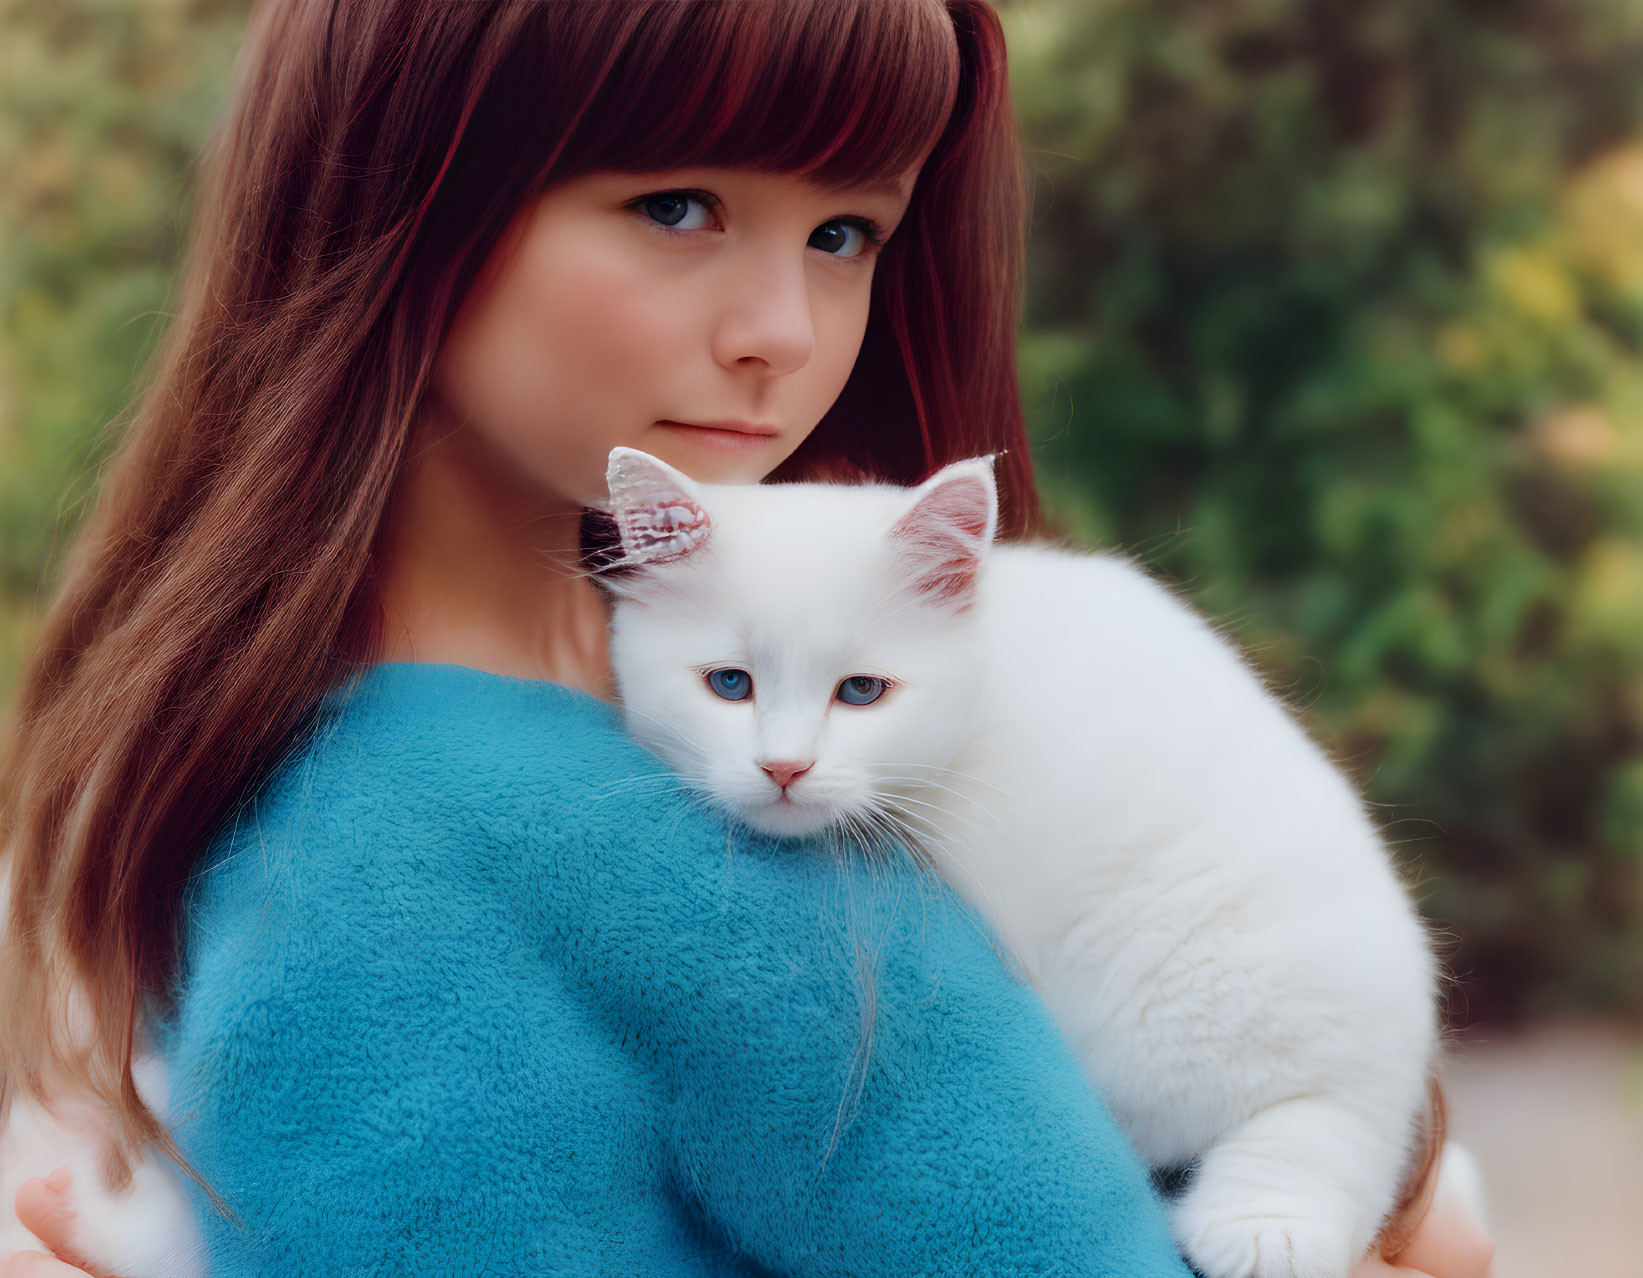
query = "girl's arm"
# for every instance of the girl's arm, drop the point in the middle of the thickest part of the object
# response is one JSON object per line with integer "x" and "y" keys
{"x": 656, "y": 1054}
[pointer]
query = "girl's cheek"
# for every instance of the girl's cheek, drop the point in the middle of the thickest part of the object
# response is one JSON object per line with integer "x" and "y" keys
{"x": 841, "y": 324}
{"x": 612, "y": 319}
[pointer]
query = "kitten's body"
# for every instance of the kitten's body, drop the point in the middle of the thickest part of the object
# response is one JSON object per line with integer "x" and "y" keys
{"x": 1194, "y": 888}
{"x": 1195, "y": 891}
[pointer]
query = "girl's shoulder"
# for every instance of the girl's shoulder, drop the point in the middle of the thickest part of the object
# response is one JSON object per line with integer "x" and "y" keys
{"x": 443, "y": 749}
{"x": 427, "y": 794}
{"x": 456, "y": 728}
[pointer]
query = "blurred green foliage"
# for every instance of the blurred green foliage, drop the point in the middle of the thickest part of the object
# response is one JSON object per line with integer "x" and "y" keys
{"x": 104, "y": 105}
{"x": 1335, "y": 311}
{"x": 1335, "y": 315}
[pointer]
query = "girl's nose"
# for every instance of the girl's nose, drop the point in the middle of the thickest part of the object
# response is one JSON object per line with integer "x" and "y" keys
{"x": 766, "y": 317}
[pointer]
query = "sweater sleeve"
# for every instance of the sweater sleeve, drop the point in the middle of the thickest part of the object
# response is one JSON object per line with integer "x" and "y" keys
{"x": 472, "y": 989}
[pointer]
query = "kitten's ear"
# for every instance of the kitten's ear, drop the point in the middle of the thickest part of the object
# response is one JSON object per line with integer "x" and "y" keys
{"x": 946, "y": 531}
{"x": 658, "y": 511}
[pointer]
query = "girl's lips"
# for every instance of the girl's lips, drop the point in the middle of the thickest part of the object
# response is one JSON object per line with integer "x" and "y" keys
{"x": 728, "y": 437}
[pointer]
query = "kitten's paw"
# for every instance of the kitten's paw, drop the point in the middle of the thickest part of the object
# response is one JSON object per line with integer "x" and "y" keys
{"x": 1252, "y": 1242}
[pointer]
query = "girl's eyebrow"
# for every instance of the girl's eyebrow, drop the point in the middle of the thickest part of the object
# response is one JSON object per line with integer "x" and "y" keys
{"x": 889, "y": 187}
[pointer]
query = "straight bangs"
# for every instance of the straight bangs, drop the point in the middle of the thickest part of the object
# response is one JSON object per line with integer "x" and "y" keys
{"x": 844, "y": 93}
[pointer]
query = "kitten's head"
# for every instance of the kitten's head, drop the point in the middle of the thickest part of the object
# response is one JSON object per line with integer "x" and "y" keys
{"x": 804, "y": 655}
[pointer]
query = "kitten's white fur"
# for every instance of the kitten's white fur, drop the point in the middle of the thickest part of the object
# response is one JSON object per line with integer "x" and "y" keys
{"x": 1195, "y": 891}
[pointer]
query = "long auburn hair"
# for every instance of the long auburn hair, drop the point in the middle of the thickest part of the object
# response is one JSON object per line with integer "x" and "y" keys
{"x": 371, "y": 155}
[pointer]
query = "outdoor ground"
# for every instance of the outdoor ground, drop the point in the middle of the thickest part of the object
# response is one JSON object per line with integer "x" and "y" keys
{"x": 1554, "y": 1115}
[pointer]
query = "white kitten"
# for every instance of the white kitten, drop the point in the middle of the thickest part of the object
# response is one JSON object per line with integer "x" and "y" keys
{"x": 1194, "y": 890}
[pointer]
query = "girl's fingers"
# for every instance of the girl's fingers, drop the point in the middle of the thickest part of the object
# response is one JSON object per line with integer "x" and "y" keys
{"x": 45, "y": 1207}
{"x": 1450, "y": 1243}
{"x": 1369, "y": 1269}
{"x": 34, "y": 1264}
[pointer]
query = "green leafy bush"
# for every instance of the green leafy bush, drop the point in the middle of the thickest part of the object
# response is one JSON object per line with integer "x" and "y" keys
{"x": 103, "y": 107}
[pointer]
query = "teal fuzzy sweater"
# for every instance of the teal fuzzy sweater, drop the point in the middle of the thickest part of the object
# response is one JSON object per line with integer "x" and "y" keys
{"x": 471, "y": 988}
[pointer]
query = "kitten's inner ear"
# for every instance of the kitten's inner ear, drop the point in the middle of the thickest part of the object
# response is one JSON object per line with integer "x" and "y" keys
{"x": 945, "y": 533}
{"x": 658, "y": 510}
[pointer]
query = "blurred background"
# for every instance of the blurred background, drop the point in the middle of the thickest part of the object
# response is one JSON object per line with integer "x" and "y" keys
{"x": 1334, "y": 317}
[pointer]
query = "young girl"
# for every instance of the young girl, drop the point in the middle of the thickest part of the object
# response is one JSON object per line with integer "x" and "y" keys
{"x": 294, "y": 794}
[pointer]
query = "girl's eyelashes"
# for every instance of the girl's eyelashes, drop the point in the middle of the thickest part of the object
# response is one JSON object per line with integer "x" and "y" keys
{"x": 672, "y": 209}
{"x": 841, "y": 237}
{"x": 846, "y": 237}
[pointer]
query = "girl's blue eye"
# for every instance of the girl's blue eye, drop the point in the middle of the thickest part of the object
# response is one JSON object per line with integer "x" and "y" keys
{"x": 672, "y": 209}
{"x": 861, "y": 690}
{"x": 843, "y": 237}
{"x": 731, "y": 684}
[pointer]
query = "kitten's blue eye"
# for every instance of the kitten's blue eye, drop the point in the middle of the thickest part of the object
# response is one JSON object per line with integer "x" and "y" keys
{"x": 842, "y": 237}
{"x": 861, "y": 690}
{"x": 672, "y": 209}
{"x": 731, "y": 684}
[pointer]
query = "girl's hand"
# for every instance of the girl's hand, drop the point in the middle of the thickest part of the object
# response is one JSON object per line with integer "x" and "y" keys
{"x": 45, "y": 1207}
{"x": 1447, "y": 1243}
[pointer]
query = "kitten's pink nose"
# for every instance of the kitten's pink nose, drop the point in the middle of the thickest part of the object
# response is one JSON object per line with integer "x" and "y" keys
{"x": 784, "y": 774}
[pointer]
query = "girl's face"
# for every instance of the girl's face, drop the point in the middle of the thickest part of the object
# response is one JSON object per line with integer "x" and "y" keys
{"x": 707, "y": 316}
